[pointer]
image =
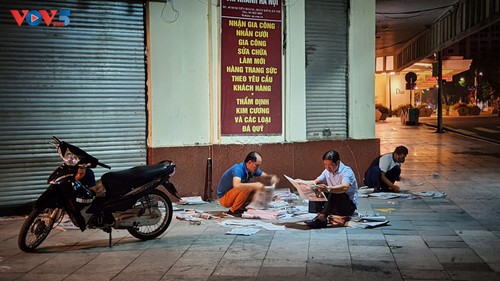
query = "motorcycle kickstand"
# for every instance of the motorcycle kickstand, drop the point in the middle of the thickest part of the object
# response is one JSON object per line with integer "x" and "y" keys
{"x": 109, "y": 229}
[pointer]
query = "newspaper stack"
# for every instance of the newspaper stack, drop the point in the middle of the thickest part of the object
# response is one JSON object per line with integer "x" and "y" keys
{"x": 264, "y": 214}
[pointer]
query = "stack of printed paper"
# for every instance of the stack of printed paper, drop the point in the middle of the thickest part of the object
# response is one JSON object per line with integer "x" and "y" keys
{"x": 265, "y": 214}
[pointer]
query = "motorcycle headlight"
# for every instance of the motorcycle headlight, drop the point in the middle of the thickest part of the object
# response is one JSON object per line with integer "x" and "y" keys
{"x": 70, "y": 158}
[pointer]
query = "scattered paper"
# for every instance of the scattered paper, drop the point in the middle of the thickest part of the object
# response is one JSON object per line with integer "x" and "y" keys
{"x": 297, "y": 218}
{"x": 193, "y": 200}
{"x": 240, "y": 223}
{"x": 265, "y": 214}
{"x": 384, "y": 195}
{"x": 66, "y": 224}
{"x": 366, "y": 224}
{"x": 247, "y": 231}
{"x": 367, "y": 221}
{"x": 285, "y": 195}
{"x": 364, "y": 191}
{"x": 374, "y": 218}
{"x": 249, "y": 216}
{"x": 271, "y": 211}
{"x": 193, "y": 216}
{"x": 278, "y": 205}
{"x": 300, "y": 209}
{"x": 433, "y": 194}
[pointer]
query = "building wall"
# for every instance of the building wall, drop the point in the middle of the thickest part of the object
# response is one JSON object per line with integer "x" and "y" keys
{"x": 398, "y": 94}
{"x": 179, "y": 67}
{"x": 361, "y": 83}
{"x": 184, "y": 98}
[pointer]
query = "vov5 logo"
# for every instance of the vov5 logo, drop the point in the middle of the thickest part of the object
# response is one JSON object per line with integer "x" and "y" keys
{"x": 35, "y": 17}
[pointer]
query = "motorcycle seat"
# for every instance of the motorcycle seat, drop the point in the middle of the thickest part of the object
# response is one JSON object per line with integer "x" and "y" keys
{"x": 123, "y": 181}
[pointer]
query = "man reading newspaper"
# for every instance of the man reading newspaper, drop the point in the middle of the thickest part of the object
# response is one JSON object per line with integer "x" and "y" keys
{"x": 338, "y": 184}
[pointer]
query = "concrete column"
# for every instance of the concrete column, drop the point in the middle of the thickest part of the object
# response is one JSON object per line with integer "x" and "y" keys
{"x": 361, "y": 84}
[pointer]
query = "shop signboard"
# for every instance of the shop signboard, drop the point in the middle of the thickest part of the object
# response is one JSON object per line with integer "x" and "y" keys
{"x": 251, "y": 67}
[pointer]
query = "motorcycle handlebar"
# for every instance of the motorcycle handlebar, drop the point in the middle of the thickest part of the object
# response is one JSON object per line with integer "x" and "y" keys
{"x": 83, "y": 158}
{"x": 103, "y": 165}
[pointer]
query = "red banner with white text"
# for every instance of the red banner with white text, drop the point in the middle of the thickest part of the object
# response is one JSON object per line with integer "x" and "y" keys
{"x": 251, "y": 70}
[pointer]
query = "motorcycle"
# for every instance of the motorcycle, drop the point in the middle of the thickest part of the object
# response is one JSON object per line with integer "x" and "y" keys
{"x": 130, "y": 199}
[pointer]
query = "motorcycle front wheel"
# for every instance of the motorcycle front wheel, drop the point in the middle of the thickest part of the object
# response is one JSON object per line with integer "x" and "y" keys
{"x": 37, "y": 227}
{"x": 156, "y": 199}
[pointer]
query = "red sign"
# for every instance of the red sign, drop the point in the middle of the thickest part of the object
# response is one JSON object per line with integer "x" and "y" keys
{"x": 251, "y": 73}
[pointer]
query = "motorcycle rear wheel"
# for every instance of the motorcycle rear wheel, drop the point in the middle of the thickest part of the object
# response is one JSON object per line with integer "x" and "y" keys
{"x": 37, "y": 227}
{"x": 161, "y": 201}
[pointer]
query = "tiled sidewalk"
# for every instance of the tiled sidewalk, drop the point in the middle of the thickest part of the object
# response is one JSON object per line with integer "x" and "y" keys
{"x": 452, "y": 238}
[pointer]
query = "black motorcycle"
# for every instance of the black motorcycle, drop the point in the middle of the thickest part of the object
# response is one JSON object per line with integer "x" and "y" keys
{"x": 131, "y": 199}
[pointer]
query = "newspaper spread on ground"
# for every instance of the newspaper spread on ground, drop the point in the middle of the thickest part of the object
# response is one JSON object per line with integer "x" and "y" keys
{"x": 307, "y": 190}
{"x": 264, "y": 214}
{"x": 367, "y": 221}
{"x": 192, "y": 200}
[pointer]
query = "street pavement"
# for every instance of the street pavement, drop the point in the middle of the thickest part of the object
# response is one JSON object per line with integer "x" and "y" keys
{"x": 484, "y": 126}
{"x": 452, "y": 238}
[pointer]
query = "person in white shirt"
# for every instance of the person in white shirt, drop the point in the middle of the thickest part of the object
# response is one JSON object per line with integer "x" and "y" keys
{"x": 385, "y": 170}
{"x": 338, "y": 182}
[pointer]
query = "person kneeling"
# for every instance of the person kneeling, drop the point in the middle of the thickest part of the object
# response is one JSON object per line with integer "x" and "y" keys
{"x": 385, "y": 170}
{"x": 235, "y": 191}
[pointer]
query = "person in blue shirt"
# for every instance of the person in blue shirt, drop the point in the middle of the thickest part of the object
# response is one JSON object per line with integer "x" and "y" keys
{"x": 235, "y": 191}
{"x": 338, "y": 182}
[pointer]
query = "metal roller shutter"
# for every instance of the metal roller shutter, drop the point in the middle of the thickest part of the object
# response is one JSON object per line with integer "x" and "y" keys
{"x": 84, "y": 83}
{"x": 326, "y": 69}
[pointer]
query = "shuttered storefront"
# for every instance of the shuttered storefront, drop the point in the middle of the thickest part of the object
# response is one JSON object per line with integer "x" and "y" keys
{"x": 326, "y": 68}
{"x": 84, "y": 83}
